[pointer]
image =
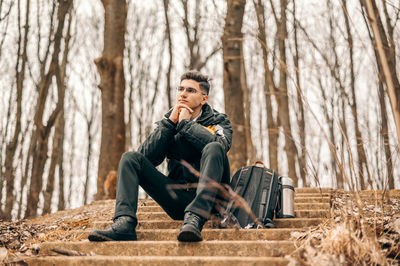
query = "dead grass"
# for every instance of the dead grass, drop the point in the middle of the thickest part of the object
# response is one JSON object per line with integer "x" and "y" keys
{"x": 364, "y": 229}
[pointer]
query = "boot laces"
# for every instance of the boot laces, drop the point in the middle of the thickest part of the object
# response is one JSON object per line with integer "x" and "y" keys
{"x": 123, "y": 220}
{"x": 194, "y": 219}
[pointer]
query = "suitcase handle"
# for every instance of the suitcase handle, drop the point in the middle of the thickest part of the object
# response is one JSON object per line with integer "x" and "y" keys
{"x": 259, "y": 162}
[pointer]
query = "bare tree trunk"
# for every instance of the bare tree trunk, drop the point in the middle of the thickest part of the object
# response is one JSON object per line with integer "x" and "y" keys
{"x": 332, "y": 138}
{"x": 43, "y": 130}
{"x": 362, "y": 158}
{"x": 61, "y": 197}
{"x": 384, "y": 115}
{"x": 341, "y": 105}
{"x": 232, "y": 56}
{"x": 334, "y": 69}
{"x": 3, "y": 132}
{"x": 251, "y": 150}
{"x": 25, "y": 166}
{"x": 89, "y": 155}
{"x": 193, "y": 43}
{"x": 90, "y": 122}
{"x": 283, "y": 113}
{"x": 168, "y": 35}
{"x": 71, "y": 160}
{"x": 387, "y": 63}
{"x": 385, "y": 136}
{"x": 4, "y": 16}
{"x": 3, "y": 144}
{"x": 300, "y": 116}
{"x": 59, "y": 125}
{"x": 128, "y": 143}
{"x": 112, "y": 86}
{"x": 196, "y": 60}
{"x": 140, "y": 116}
{"x": 12, "y": 145}
{"x": 48, "y": 192}
{"x": 269, "y": 89}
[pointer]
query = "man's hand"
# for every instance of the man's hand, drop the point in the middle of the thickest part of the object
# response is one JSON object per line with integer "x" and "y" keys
{"x": 175, "y": 114}
{"x": 184, "y": 114}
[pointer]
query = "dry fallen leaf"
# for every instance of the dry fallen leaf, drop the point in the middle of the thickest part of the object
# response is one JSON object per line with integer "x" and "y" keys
{"x": 3, "y": 254}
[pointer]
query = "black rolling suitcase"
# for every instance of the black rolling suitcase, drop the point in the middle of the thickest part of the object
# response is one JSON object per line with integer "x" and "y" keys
{"x": 259, "y": 187}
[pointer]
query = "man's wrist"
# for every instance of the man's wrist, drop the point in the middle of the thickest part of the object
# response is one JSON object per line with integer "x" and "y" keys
{"x": 182, "y": 123}
{"x": 172, "y": 121}
{"x": 169, "y": 123}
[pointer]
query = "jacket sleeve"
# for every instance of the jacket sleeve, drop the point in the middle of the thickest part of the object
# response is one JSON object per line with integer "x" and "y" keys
{"x": 200, "y": 136}
{"x": 155, "y": 146}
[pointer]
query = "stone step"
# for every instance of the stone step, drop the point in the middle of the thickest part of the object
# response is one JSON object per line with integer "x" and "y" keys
{"x": 297, "y": 206}
{"x": 312, "y": 199}
{"x": 301, "y": 195}
{"x": 312, "y": 190}
{"x": 246, "y": 248}
{"x": 207, "y": 234}
{"x": 303, "y": 198}
{"x": 316, "y": 199}
{"x": 379, "y": 192}
{"x": 172, "y": 224}
{"x": 372, "y": 194}
{"x": 312, "y": 195}
{"x": 366, "y": 200}
{"x": 298, "y": 213}
{"x": 312, "y": 213}
{"x": 155, "y": 260}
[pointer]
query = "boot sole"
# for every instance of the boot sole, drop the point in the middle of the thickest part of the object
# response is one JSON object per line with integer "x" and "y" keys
{"x": 96, "y": 237}
{"x": 188, "y": 236}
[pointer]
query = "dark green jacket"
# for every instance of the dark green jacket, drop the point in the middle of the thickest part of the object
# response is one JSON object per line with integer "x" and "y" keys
{"x": 185, "y": 141}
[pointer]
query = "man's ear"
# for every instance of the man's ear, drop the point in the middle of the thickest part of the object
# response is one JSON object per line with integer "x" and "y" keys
{"x": 205, "y": 99}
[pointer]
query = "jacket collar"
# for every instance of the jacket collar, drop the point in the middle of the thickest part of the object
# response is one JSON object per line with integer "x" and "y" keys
{"x": 207, "y": 112}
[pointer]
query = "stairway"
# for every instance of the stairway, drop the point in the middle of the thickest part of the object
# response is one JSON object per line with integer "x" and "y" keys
{"x": 157, "y": 244}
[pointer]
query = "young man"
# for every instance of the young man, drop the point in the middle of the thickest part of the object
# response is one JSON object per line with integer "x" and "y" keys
{"x": 193, "y": 132}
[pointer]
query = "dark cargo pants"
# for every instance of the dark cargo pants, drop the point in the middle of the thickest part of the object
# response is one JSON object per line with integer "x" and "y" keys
{"x": 135, "y": 169}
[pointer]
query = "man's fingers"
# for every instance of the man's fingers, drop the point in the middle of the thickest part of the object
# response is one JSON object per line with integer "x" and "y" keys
{"x": 181, "y": 105}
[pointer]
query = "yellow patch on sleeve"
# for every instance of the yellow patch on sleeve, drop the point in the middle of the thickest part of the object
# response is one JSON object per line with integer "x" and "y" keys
{"x": 211, "y": 129}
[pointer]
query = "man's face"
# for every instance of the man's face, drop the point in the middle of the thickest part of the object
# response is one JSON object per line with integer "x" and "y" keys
{"x": 189, "y": 93}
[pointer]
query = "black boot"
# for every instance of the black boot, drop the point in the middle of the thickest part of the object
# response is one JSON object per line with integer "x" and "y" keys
{"x": 192, "y": 226}
{"x": 123, "y": 229}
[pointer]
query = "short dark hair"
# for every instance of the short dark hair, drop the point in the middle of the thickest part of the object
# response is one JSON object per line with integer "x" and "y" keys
{"x": 203, "y": 80}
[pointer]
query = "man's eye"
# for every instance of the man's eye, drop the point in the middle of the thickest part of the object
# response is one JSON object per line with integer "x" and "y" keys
{"x": 181, "y": 89}
{"x": 191, "y": 90}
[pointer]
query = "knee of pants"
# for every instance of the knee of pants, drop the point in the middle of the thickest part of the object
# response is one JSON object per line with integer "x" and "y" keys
{"x": 214, "y": 148}
{"x": 131, "y": 156}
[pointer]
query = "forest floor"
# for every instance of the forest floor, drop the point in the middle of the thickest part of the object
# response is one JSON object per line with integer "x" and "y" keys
{"x": 23, "y": 236}
{"x": 364, "y": 228}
